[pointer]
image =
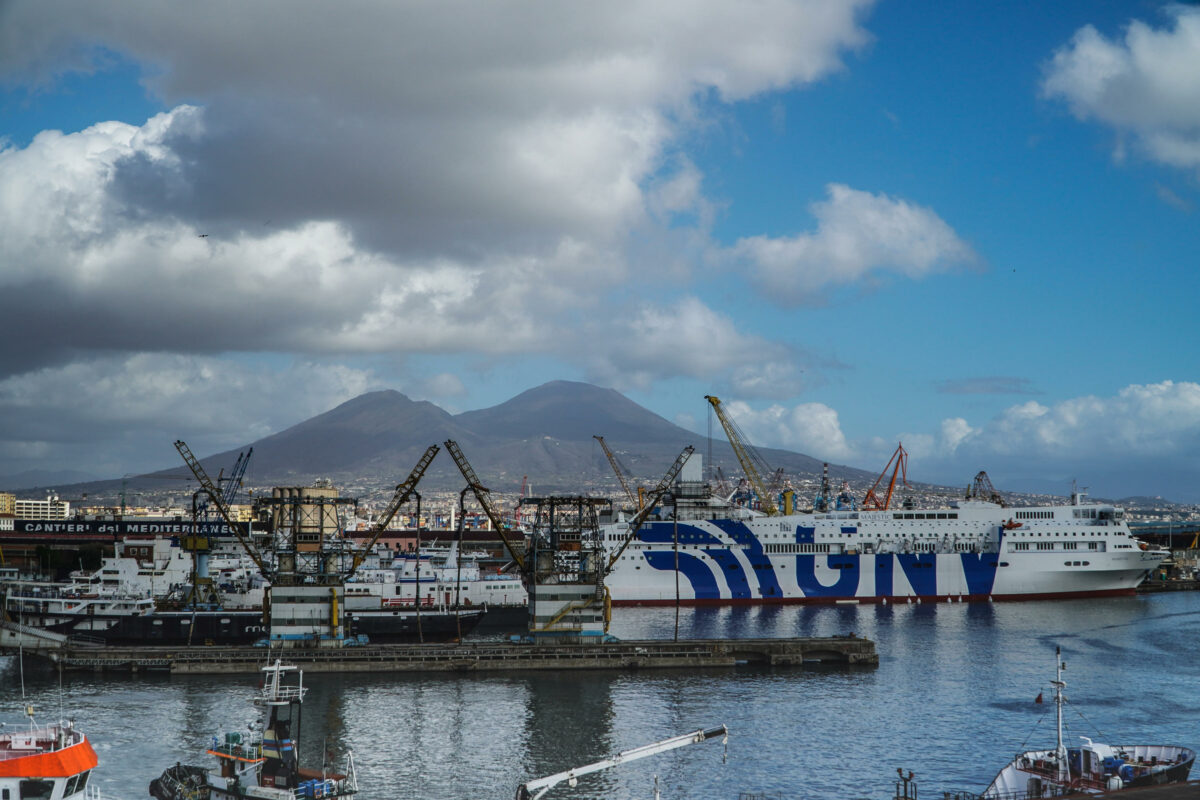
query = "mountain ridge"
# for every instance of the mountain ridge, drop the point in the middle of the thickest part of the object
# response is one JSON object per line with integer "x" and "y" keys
{"x": 544, "y": 434}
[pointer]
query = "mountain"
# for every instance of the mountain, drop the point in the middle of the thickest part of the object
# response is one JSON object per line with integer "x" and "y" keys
{"x": 34, "y": 479}
{"x": 545, "y": 434}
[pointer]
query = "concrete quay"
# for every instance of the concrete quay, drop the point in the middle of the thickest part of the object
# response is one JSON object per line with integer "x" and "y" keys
{"x": 475, "y": 656}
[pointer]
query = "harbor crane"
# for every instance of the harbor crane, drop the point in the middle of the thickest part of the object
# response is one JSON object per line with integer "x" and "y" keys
{"x": 277, "y": 573}
{"x": 217, "y": 498}
{"x": 404, "y": 491}
{"x": 652, "y": 499}
{"x": 753, "y": 464}
{"x": 981, "y": 489}
{"x": 234, "y": 482}
{"x": 563, "y": 568}
{"x": 618, "y": 470}
{"x": 514, "y": 546}
{"x": 535, "y": 789}
{"x": 871, "y": 501}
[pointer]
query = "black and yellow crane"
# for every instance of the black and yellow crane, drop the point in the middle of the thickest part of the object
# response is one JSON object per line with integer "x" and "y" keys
{"x": 753, "y": 464}
{"x": 563, "y": 566}
{"x": 217, "y": 498}
{"x": 618, "y": 470}
{"x": 403, "y": 492}
{"x": 652, "y": 499}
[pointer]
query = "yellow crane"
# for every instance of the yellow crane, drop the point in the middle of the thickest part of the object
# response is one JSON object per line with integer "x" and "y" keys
{"x": 752, "y": 463}
{"x": 616, "y": 468}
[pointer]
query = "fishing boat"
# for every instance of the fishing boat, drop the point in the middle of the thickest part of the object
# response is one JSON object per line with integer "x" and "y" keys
{"x": 266, "y": 764}
{"x": 44, "y": 762}
{"x": 1087, "y": 768}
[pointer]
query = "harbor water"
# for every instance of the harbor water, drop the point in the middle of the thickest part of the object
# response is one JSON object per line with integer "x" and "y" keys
{"x": 952, "y": 700}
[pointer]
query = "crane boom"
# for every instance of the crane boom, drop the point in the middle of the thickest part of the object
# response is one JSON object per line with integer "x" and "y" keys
{"x": 616, "y": 467}
{"x": 542, "y": 785}
{"x": 481, "y": 494}
{"x": 214, "y": 495}
{"x": 235, "y": 477}
{"x": 871, "y": 501}
{"x": 403, "y": 492}
{"x": 752, "y": 463}
{"x": 652, "y": 499}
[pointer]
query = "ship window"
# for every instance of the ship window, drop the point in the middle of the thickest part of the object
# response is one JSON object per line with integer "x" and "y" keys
{"x": 36, "y": 790}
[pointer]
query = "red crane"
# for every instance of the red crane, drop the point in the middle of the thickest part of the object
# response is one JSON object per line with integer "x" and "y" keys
{"x": 871, "y": 502}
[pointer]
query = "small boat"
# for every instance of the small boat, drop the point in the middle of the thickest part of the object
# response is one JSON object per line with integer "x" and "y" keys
{"x": 47, "y": 761}
{"x": 266, "y": 763}
{"x": 1090, "y": 767}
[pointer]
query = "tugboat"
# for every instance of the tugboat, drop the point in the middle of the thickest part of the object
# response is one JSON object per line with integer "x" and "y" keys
{"x": 266, "y": 765}
{"x": 48, "y": 761}
{"x": 1090, "y": 768}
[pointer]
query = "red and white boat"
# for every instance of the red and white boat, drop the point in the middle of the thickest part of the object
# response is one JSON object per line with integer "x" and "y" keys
{"x": 50, "y": 761}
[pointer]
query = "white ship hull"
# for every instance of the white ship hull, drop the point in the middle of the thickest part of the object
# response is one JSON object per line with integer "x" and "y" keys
{"x": 973, "y": 551}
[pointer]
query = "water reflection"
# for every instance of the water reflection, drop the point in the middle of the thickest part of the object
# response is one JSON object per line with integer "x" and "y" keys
{"x": 952, "y": 699}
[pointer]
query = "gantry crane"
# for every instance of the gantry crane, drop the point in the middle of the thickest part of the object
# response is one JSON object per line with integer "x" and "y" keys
{"x": 515, "y": 547}
{"x": 217, "y": 498}
{"x": 564, "y": 573}
{"x": 752, "y": 463}
{"x": 616, "y": 468}
{"x": 403, "y": 492}
{"x": 981, "y": 489}
{"x": 871, "y": 501}
{"x": 652, "y": 499}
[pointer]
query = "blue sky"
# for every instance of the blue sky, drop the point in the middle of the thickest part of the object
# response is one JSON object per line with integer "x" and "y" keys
{"x": 969, "y": 227}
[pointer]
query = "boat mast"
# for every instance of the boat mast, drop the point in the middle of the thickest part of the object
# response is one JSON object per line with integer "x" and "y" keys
{"x": 1064, "y": 773}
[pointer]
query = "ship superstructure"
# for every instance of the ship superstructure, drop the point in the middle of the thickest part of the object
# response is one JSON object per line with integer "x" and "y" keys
{"x": 969, "y": 550}
{"x": 46, "y": 761}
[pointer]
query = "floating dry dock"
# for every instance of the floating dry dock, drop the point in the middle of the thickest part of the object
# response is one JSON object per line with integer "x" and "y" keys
{"x": 478, "y": 656}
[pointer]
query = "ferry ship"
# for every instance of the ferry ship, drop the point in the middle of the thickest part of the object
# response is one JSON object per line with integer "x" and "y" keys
{"x": 703, "y": 550}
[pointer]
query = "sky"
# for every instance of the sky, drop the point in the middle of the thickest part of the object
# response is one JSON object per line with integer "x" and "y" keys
{"x": 973, "y": 228}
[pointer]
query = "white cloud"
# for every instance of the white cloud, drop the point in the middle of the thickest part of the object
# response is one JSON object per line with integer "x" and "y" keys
{"x": 860, "y": 236}
{"x": 810, "y": 428}
{"x": 1146, "y": 84}
{"x": 403, "y": 179}
{"x": 684, "y": 339}
{"x": 1142, "y": 440}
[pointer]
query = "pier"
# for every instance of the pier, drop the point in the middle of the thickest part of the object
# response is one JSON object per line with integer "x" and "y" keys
{"x": 464, "y": 657}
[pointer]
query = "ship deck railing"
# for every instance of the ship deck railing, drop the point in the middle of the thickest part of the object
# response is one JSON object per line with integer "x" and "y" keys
{"x": 241, "y": 752}
{"x": 1051, "y": 790}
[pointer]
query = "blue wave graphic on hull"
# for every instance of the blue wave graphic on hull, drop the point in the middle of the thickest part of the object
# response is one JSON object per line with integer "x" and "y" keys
{"x": 919, "y": 570}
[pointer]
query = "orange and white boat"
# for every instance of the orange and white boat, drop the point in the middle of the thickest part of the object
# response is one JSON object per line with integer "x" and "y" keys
{"x": 50, "y": 761}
